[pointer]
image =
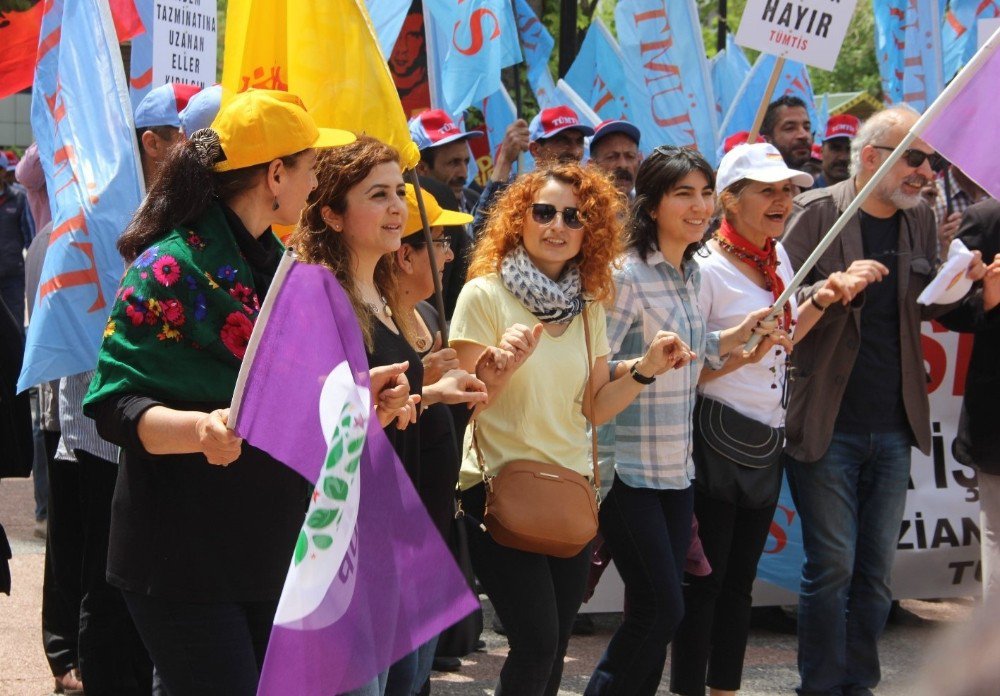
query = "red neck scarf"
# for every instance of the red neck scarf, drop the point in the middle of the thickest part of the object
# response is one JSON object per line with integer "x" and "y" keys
{"x": 764, "y": 260}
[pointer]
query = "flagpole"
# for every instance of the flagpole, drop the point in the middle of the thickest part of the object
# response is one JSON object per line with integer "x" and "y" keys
{"x": 765, "y": 100}
{"x": 411, "y": 174}
{"x": 518, "y": 99}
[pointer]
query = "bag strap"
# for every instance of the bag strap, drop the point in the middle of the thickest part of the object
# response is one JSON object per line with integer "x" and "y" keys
{"x": 588, "y": 395}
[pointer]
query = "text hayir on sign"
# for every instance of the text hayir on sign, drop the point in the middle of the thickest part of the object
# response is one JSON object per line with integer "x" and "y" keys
{"x": 809, "y": 31}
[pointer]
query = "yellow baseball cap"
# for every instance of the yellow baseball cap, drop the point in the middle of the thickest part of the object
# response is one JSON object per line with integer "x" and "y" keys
{"x": 436, "y": 215}
{"x": 261, "y": 125}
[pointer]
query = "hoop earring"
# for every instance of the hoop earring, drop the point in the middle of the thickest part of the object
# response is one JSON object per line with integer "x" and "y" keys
{"x": 275, "y": 205}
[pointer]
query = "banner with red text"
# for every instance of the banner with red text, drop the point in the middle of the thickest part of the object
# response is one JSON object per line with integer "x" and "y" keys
{"x": 82, "y": 119}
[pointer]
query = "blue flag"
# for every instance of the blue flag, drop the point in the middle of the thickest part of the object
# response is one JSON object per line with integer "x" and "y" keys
{"x": 536, "y": 45}
{"x": 387, "y": 17}
{"x": 669, "y": 87}
{"x": 82, "y": 121}
{"x": 908, "y": 49}
{"x": 794, "y": 81}
{"x": 730, "y": 68}
{"x": 468, "y": 43}
{"x": 598, "y": 74}
{"x": 819, "y": 128}
{"x": 959, "y": 31}
{"x": 141, "y": 60}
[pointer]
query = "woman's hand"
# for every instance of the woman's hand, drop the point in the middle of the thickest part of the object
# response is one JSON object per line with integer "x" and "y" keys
{"x": 220, "y": 445}
{"x": 665, "y": 351}
{"x": 774, "y": 338}
{"x": 391, "y": 393}
{"x": 521, "y": 341}
{"x": 456, "y": 387}
{"x": 439, "y": 361}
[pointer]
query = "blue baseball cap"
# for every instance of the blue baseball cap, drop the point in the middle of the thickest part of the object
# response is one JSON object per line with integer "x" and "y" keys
{"x": 201, "y": 109}
{"x": 554, "y": 120}
{"x": 615, "y": 126}
{"x": 161, "y": 106}
{"x": 434, "y": 127}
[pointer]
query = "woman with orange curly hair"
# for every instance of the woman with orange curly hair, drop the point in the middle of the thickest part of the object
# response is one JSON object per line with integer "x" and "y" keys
{"x": 544, "y": 260}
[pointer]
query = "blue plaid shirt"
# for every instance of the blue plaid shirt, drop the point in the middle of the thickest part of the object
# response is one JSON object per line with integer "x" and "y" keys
{"x": 651, "y": 438}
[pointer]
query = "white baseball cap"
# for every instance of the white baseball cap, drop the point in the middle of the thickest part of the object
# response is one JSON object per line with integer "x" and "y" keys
{"x": 758, "y": 162}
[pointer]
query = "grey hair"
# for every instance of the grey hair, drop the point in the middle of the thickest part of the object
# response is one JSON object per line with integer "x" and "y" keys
{"x": 875, "y": 128}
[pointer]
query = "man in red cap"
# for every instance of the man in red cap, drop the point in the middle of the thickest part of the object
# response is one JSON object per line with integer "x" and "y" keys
{"x": 840, "y": 131}
{"x": 444, "y": 153}
{"x": 555, "y": 135}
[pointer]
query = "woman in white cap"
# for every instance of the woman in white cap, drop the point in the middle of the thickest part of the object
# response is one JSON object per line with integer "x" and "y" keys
{"x": 199, "y": 548}
{"x": 740, "y": 412}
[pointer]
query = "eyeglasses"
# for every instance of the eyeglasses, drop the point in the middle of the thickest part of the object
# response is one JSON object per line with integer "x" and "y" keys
{"x": 914, "y": 158}
{"x": 545, "y": 213}
{"x": 442, "y": 245}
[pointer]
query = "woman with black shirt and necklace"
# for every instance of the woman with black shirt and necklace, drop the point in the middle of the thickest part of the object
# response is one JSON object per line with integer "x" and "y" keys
{"x": 203, "y": 526}
{"x": 353, "y": 223}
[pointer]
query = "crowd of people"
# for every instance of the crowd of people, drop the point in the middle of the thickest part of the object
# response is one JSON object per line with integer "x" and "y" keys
{"x": 626, "y": 295}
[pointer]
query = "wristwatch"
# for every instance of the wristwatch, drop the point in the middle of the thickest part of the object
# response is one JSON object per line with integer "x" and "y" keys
{"x": 638, "y": 376}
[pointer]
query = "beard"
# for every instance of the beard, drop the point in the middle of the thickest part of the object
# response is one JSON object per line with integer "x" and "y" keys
{"x": 902, "y": 200}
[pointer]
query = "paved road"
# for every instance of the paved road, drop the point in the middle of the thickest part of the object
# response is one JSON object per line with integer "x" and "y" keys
{"x": 770, "y": 664}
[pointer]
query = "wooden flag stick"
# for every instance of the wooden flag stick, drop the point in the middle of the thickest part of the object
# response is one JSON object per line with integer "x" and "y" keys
{"x": 411, "y": 174}
{"x": 779, "y": 65}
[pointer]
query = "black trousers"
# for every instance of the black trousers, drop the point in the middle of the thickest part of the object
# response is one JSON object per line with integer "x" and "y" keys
{"x": 61, "y": 586}
{"x": 536, "y": 598}
{"x": 203, "y": 648}
{"x": 711, "y": 641}
{"x": 113, "y": 659}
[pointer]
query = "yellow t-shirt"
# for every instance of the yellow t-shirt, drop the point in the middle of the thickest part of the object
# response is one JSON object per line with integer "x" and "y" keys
{"x": 538, "y": 415}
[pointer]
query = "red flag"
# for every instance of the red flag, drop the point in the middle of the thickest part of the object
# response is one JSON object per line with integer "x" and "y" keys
{"x": 19, "y": 41}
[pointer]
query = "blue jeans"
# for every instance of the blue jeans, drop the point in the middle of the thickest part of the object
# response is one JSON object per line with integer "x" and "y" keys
{"x": 851, "y": 505}
{"x": 648, "y": 532}
{"x": 376, "y": 687}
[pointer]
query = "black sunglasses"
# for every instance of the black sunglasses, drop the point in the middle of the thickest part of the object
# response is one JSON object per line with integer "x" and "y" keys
{"x": 914, "y": 158}
{"x": 545, "y": 213}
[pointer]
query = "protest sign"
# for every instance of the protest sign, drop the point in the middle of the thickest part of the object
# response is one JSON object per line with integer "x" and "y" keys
{"x": 809, "y": 31}
{"x": 184, "y": 42}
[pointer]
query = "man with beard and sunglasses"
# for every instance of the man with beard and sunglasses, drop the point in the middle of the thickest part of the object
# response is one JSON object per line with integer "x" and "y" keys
{"x": 555, "y": 136}
{"x": 858, "y": 401}
{"x": 615, "y": 149}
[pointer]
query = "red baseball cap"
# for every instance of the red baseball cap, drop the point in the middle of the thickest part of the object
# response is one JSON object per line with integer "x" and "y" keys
{"x": 434, "y": 127}
{"x": 738, "y": 138}
{"x": 817, "y": 151}
{"x": 842, "y": 126}
{"x": 552, "y": 121}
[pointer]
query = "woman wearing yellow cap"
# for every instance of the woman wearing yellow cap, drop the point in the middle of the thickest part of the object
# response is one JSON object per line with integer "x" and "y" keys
{"x": 203, "y": 525}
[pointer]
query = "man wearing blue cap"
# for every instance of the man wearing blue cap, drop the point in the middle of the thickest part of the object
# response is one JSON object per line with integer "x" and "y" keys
{"x": 615, "y": 149}
{"x": 201, "y": 110}
{"x": 555, "y": 135}
{"x": 158, "y": 123}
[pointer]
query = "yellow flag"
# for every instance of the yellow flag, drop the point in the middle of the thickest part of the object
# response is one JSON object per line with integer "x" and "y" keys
{"x": 256, "y": 48}
{"x": 324, "y": 51}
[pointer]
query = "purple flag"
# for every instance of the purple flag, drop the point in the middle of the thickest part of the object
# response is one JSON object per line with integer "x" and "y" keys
{"x": 970, "y": 99}
{"x": 370, "y": 579}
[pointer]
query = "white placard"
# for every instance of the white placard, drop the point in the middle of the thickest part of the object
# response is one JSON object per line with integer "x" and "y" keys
{"x": 185, "y": 37}
{"x": 809, "y": 31}
{"x": 985, "y": 29}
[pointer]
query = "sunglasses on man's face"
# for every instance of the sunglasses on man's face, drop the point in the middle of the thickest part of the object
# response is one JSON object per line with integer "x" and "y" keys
{"x": 545, "y": 213}
{"x": 915, "y": 158}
